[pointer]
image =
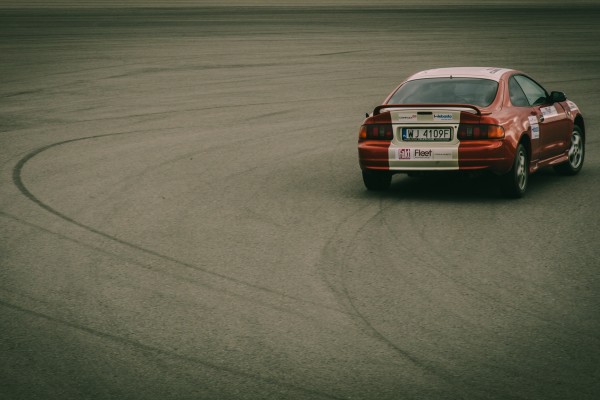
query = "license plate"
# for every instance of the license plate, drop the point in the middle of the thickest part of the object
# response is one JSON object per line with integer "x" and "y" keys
{"x": 427, "y": 134}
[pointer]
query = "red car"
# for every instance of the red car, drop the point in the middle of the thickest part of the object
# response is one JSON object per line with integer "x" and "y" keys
{"x": 471, "y": 119}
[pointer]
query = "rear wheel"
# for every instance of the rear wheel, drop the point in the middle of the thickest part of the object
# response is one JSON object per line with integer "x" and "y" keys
{"x": 576, "y": 154}
{"x": 514, "y": 183}
{"x": 376, "y": 180}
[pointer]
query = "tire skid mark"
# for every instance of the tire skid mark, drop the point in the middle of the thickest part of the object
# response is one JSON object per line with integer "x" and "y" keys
{"x": 482, "y": 294}
{"x": 451, "y": 379}
{"x": 75, "y": 72}
{"x": 21, "y": 93}
{"x": 18, "y": 182}
{"x": 143, "y": 70}
{"x": 289, "y": 132}
{"x": 166, "y": 353}
{"x": 458, "y": 381}
{"x": 360, "y": 318}
{"x": 186, "y": 279}
{"x": 342, "y": 290}
{"x": 195, "y": 109}
{"x": 339, "y": 52}
{"x": 441, "y": 272}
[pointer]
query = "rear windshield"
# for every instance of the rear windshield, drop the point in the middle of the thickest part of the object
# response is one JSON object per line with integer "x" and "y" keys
{"x": 475, "y": 91}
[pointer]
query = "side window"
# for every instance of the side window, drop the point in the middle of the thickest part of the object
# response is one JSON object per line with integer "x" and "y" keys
{"x": 517, "y": 96}
{"x": 535, "y": 94}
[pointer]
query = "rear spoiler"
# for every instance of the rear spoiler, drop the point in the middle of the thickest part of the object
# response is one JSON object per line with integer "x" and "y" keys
{"x": 378, "y": 109}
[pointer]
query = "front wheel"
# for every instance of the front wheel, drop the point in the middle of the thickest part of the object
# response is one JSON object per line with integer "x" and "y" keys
{"x": 376, "y": 180}
{"x": 514, "y": 183}
{"x": 576, "y": 154}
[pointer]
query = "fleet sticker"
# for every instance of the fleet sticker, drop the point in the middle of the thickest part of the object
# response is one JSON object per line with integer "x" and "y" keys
{"x": 424, "y": 154}
{"x": 405, "y": 117}
{"x": 572, "y": 105}
{"x": 407, "y": 156}
{"x": 549, "y": 111}
{"x": 535, "y": 127}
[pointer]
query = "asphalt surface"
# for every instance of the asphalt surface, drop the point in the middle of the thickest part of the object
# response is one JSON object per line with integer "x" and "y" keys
{"x": 182, "y": 214}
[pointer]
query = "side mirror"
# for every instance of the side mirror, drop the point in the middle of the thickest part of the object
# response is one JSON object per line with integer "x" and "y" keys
{"x": 557, "y": 97}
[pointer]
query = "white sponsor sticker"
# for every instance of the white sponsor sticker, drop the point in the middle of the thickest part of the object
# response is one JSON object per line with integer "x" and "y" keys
{"x": 535, "y": 127}
{"x": 406, "y": 117}
{"x": 443, "y": 116}
{"x": 549, "y": 111}
{"x": 572, "y": 105}
{"x": 403, "y": 154}
{"x": 442, "y": 155}
{"x": 422, "y": 154}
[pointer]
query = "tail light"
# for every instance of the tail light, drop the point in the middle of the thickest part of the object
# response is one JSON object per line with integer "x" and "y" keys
{"x": 479, "y": 132}
{"x": 376, "y": 132}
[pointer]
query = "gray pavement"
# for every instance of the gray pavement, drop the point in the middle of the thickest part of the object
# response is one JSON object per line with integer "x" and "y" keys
{"x": 182, "y": 214}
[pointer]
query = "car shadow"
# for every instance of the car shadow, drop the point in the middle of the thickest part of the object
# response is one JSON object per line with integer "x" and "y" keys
{"x": 458, "y": 187}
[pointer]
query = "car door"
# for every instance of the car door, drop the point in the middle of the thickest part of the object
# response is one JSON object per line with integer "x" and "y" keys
{"x": 526, "y": 115}
{"x": 553, "y": 121}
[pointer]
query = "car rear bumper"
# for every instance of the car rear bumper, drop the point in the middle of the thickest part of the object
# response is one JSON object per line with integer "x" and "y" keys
{"x": 495, "y": 156}
{"x": 373, "y": 155}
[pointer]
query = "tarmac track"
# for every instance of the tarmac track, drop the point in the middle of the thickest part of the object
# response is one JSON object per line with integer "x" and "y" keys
{"x": 183, "y": 216}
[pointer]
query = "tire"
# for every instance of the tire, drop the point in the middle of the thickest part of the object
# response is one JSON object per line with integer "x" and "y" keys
{"x": 514, "y": 183}
{"x": 376, "y": 180}
{"x": 576, "y": 154}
